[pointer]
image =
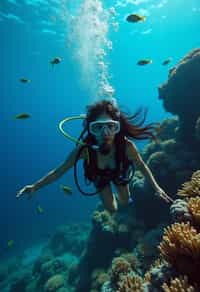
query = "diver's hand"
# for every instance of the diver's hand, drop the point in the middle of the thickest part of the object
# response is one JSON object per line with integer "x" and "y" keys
{"x": 163, "y": 195}
{"x": 27, "y": 190}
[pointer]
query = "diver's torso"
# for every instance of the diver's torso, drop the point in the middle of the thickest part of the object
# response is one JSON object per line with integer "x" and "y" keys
{"x": 107, "y": 161}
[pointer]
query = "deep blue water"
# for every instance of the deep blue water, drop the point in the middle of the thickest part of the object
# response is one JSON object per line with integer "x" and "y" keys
{"x": 34, "y": 32}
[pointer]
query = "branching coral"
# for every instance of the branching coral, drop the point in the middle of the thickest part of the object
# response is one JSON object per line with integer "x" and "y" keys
{"x": 181, "y": 248}
{"x": 180, "y": 239}
{"x": 194, "y": 208}
{"x": 191, "y": 188}
{"x": 130, "y": 283}
{"x": 179, "y": 284}
{"x": 119, "y": 267}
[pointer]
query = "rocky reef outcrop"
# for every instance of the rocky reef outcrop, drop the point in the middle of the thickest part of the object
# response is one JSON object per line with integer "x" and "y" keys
{"x": 181, "y": 94}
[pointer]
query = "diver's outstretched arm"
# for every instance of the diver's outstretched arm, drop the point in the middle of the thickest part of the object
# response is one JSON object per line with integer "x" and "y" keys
{"x": 52, "y": 175}
{"x": 134, "y": 155}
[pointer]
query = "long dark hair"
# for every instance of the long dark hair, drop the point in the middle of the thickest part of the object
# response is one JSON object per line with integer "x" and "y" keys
{"x": 131, "y": 126}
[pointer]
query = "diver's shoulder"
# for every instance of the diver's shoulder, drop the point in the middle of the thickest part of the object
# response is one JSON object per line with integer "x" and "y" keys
{"x": 129, "y": 143}
{"x": 131, "y": 149}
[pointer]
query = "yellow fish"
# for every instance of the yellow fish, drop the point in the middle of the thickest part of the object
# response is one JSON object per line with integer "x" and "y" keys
{"x": 66, "y": 189}
{"x": 22, "y": 116}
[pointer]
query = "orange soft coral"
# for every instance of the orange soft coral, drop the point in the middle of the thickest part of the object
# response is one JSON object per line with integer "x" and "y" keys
{"x": 191, "y": 188}
{"x": 180, "y": 239}
{"x": 181, "y": 248}
{"x": 179, "y": 284}
{"x": 194, "y": 209}
{"x": 130, "y": 283}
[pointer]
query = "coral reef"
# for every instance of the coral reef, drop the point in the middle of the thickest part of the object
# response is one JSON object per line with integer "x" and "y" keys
{"x": 130, "y": 283}
{"x": 180, "y": 212}
{"x": 172, "y": 163}
{"x": 194, "y": 209}
{"x": 180, "y": 94}
{"x": 191, "y": 188}
{"x": 99, "y": 277}
{"x": 179, "y": 284}
{"x": 119, "y": 267}
{"x": 54, "y": 283}
{"x": 63, "y": 240}
{"x": 180, "y": 247}
{"x": 117, "y": 253}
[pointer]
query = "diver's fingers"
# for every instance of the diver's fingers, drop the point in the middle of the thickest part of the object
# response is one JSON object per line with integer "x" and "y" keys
{"x": 164, "y": 196}
{"x": 20, "y": 193}
{"x": 167, "y": 198}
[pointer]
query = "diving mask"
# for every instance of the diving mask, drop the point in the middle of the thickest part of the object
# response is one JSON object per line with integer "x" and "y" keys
{"x": 111, "y": 127}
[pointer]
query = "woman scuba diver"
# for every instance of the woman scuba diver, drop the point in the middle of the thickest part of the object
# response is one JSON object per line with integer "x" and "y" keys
{"x": 109, "y": 155}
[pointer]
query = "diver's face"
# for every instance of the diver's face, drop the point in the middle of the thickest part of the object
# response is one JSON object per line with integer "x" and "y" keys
{"x": 105, "y": 136}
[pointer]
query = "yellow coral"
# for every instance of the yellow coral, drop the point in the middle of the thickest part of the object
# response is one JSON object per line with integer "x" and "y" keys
{"x": 191, "y": 188}
{"x": 130, "y": 283}
{"x": 194, "y": 208}
{"x": 178, "y": 284}
{"x": 180, "y": 239}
